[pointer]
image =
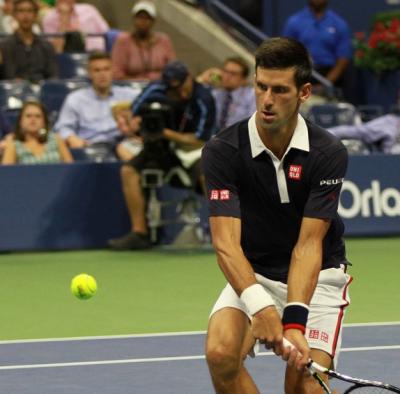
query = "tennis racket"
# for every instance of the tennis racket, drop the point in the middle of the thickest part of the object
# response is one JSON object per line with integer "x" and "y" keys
{"x": 359, "y": 386}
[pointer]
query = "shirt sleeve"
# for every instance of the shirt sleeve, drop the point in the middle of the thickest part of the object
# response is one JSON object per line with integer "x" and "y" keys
{"x": 67, "y": 122}
{"x": 326, "y": 182}
{"x": 343, "y": 45}
{"x": 170, "y": 54}
{"x": 289, "y": 30}
{"x": 206, "y": 124}
{"x": 222, "y": 193}
{"x": 119, "y": 56}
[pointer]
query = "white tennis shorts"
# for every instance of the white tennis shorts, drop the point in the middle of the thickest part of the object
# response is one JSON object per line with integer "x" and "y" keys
{"x": 327, "y": 307}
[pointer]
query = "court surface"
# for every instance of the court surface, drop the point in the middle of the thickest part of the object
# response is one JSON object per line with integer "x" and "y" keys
{"x": 170, "y": 363}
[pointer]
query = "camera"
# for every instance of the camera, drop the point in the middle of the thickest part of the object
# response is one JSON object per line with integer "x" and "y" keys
{"x": 155, "y": 117}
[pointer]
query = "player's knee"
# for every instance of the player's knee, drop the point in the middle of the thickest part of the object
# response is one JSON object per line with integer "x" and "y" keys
{"x": 223, "y": 362}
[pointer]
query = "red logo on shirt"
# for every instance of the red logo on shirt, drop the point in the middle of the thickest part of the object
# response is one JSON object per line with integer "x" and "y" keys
{"x": 314, "y": 334}
{"x": 224, "y": 194}
{"x": 220, "y": 195}
{"x": 324, "y": 337}
{"x": 214, "y": 195}
{"x": 295, "y": 172}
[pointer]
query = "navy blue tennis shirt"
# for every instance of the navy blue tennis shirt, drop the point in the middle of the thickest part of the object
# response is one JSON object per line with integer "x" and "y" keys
{"x": 271, "y": 196}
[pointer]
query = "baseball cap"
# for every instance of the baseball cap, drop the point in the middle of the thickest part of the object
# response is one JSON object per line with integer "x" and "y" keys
{"x": 175, "y": 73}
{"x": 145, "y": 6}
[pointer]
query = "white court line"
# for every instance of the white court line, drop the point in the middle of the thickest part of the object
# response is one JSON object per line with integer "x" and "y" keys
{"x": 162, "y": 359}
{"x": 161, "y": 334}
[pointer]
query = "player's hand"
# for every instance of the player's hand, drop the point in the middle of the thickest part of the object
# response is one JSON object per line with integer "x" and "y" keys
{"x": 266, "y": 326}
{"x": 300, "y": 356}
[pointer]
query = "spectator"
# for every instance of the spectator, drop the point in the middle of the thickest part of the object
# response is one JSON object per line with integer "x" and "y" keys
{"x": 33, "y": 142}
{"x": 142, "y": 54}
{"x": 25, "y": 55}
{"x": 191, "y": 123}
{"x": 234, "y": 99}
{"x": 72, "y": 19}
{"x": 86, "y": 117}
{"x": 327, "y": 37}
{"x": 383, "y": 132}
{"x": 8, "y": 24}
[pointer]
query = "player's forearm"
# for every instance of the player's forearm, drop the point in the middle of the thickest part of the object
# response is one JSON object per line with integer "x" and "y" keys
{"x": 305, "y": 266}
{"x": 236, "y": 269}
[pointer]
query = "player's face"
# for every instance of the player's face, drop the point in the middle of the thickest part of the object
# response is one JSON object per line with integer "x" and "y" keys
{"x": 100, "y": 72}
{"x": 232, "y": 76}
{"x": 277, "y": 97}
{"x": 32, "y": 119}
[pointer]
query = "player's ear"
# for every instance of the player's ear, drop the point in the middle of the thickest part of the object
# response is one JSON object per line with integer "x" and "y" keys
{"x": 305, "y": 92}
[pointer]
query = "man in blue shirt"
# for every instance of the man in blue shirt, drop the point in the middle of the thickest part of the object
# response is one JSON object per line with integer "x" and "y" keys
{"x": 326, "y": 36}
{"x": 86, "y": 117}
{"x": 175, "y": 142}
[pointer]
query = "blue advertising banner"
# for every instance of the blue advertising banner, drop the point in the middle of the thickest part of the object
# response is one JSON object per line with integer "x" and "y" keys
{"x": 370, "y": 199}
{"x": 80, "y": 205}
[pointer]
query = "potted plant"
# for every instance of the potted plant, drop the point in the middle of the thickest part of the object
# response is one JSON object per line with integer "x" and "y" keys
{"x": 379, "y": 53}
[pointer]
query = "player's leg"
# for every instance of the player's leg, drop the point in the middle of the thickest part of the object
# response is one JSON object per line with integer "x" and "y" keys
{"x": 324, "y": 327}
{"x": 229, "y": 340}
{"x": 301, "y": 383}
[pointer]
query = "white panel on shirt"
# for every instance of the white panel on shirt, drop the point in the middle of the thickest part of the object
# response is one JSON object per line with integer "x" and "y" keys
{"x": 299, "y": 140}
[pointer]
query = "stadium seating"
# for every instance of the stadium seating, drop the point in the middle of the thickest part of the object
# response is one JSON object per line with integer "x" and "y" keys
{"x": 72, "y": 65}
{"x": 333, "y": 114}
{"x": 369, "y": 112}
{"x": 13, "y": 93}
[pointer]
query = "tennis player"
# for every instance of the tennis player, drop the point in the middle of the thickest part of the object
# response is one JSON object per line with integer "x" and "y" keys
{"x": 273, "y": 188}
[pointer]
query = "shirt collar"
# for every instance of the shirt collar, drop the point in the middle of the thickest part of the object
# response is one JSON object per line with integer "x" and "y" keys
{"x": 299, "y": 139}
{"x": 94, "y": 93}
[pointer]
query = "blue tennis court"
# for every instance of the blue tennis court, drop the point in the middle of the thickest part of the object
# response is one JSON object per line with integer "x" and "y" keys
{"x": 170, "y": 363}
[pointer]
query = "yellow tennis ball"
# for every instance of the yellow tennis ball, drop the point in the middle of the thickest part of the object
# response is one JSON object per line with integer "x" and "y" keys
{"x": 83, "y": 286}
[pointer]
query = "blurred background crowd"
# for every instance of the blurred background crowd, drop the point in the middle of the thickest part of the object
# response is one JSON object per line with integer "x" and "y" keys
{"x": 77, "y": 79}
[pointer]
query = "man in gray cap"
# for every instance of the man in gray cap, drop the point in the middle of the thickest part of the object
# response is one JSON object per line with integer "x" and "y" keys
{"x": 177, "y": 117}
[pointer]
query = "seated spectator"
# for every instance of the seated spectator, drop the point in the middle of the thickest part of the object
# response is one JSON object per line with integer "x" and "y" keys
{"x": 73, "y": 19}
{"x": 25, "y": 55}
{"x": 33, "y": 142}
{"x": 383, "y": 132}
{"x": 234, "y": 98}
{"x": 326, "y": 35}
{"x": 142, "y": 54}
{"x": 86, "y": 118}
{"x": 8, "y": 24}
{"x": 175, "y": 142}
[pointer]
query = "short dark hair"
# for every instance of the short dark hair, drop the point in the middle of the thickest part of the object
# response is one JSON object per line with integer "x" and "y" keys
{"x": 33, "y": 3}
{"x": 19, "y": 133}
{"x": 98, "y": 55}
{"x": 240, "y": 62}
{"x": 281, "y": 53}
